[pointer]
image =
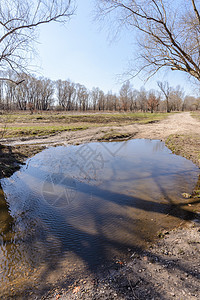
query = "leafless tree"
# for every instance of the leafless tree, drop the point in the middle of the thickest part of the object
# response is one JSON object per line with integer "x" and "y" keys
{"x": 173, "y": 96}
{"x": 46, "y": 94}
{"x": 191, "y": 103}
{"x": 32, "y": 92}
{"x": 166, "y": 90}
{"x": 19, "y": 20}
{"x": 170, "y": 32}
{"x": 197, "y": 104}
{"x": 115, "y": 102}
{"x": 101, "y": 101}
{"x": 95, "y": 97}
{"x": 176, "y": 99}
{"x": 133, "y": 100}
{"x": 109, "y": 101}
{"x": 66, "y": 94}
{"x": 153, "y": 102}
{"x": 125, "y": 95}
{"x": 142, "y": 100}
{"x": 82, "y": 95}
{"x": 1, "y": 95}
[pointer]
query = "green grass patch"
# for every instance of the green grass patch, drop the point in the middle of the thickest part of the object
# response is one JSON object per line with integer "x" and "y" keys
{"x": 116, "y": 118}
{"x": 39, "y": 130}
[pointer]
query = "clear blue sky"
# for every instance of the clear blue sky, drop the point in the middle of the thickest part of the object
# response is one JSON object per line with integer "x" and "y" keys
{"x": 80, "y": 51}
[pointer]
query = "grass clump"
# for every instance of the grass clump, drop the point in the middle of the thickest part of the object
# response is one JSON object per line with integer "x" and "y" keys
{"x": 196, "y": 115}
{"x": 115, "y": 136}
{"x": 185, "y": 145}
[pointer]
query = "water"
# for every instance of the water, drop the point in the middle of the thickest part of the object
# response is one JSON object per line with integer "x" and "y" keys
{"x": 72, "y": 208}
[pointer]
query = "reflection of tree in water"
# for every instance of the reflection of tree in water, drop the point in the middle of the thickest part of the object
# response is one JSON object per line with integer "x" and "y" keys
{"x": 36, "y": 242}
{"x": 9, "y": 250}
{"x": 22, "y": 242}
{"x": 159, "y": 146}
{"x": 6, "y": 221}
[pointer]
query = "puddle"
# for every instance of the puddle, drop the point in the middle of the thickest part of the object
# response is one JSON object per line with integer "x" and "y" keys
{"x": 74, "y": 208}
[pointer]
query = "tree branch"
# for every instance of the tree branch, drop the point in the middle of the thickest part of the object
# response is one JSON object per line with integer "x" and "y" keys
{"x": 196, "y": 11}
{"x": 10, "y": 80}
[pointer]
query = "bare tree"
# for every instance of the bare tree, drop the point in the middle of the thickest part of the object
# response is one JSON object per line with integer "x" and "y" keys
{"x": 191, "y": 103}
{"x": 1, "y": 95}
{"x": 95, "y": 97}
{"x": 170, "y": 32}
{"x": 176, "y": 98}
{"x": 133, "y": 100}
{"x": 32, "y": 93}
{"x": 166, "y": 90}
{"x": 66, "y": 94}
{"x": 153, "y": 102}
{"x": 19, "y": 21}
{"x": 101, "y": 100}
{"x": 125, "y": 95}
{"x": 115, "y": 102}
{"x": 173, "y": 96}
{"x": 82, "y": 95}
{"x": 142, "y": 100}
{"x": 46, "y": 93}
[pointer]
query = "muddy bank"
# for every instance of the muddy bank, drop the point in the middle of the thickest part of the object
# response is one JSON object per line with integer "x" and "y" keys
{"x": 12, "y": 157}
{"x": 167, "y": 270}
{"x": 186, "y": 145}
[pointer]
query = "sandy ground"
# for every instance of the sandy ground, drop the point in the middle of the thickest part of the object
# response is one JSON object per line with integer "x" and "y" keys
{"x": 170, "y": 269}
{"x": 181, "y": 123}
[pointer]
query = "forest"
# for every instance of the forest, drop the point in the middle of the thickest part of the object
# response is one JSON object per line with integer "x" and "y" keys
{"x": 39, "y": 93}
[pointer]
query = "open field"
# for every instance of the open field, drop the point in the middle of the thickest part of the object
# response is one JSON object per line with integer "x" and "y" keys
{"x": 23, "y": 124}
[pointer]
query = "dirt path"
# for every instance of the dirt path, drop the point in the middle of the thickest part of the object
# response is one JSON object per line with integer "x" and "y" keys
{"x": 181, "y": 123}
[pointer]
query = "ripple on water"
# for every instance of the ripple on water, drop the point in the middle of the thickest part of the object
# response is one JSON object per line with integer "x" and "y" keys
{"x": 86, "y": 204}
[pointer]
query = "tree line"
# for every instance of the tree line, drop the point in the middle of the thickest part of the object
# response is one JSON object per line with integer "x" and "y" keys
{"x": 64, "y": 95}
